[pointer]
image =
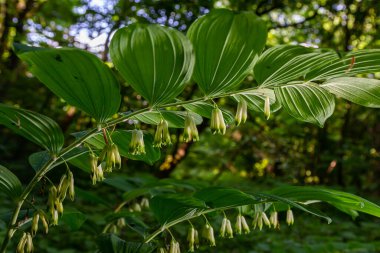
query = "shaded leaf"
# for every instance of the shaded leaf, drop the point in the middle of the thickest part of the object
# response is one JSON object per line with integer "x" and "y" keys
{"x": 175, "y": 119}
{"x": 80, "y": 78}
{"x": 225, "y": 44}
{"x": 169, "y": 207}
{"x": 73, "y": 219}
{"x": 342, "y": 200}
{"x": 362, "y": 91}
{"x": 35, "y": 127}
{"x": 9, "y": 183}
{"x": 205, "y": 110}
{"x": 155, "y": 60}
{"x": 110, "y": 243}
{"x": 306, "y": 102}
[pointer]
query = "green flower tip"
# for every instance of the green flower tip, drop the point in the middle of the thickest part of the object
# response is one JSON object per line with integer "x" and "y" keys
{"x": 190, "y": 132}
{"x": 217, "y": 122}
{"x": 162, "y": 135}
{"x": 241, "y": 112}
{"x": 137, "y": 146}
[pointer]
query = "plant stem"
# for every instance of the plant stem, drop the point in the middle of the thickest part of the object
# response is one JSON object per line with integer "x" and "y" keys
{"x": 12, "y": 226}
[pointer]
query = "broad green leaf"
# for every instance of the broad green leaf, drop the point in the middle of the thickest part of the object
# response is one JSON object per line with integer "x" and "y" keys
{"x": 175, "y": 119}
{"x": 256, "y": 99}
{"x": 110, "y": 243}
{"x": 333, "y": 197}
{"x": 218, "y": 197}
{"x": 33, "y": 126}
{"x": 168, "y": 208}
{"x": 225, "y": 44}
{"x": 281, "y": 64}
{"x": 306, "y": 102}
{"x": 205, "y": 109}
{"x": 122, "y": 138}
{"x": 74, "y": 219}
{"x": 80, "y": 78}
{"x": 9, "y": 183}
{"x": 362, "y": 91}
{"x": 353, "y": 63}
{"x": 92, "y": 197}
{"x": 39, "y": 159}
{"x": 157, "y": 61}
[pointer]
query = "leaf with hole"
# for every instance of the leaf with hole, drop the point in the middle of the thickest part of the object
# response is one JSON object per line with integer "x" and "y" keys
{"x": 79, "y": 77}
{"x": 34, "y": 126}
{"x": 225, "y": 44}
{"x": 156, "y": 61}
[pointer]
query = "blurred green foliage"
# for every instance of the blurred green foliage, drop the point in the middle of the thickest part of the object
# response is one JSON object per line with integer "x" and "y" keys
{"x": 257, "y": 155}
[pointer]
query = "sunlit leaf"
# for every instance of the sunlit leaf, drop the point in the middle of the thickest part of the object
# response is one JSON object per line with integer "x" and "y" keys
{"x": 306, "y": 102}
{"x": 33, "y": 126}
{"x": 79, "y": 77}
{"x": 362, "y": 91}
{"x": 225, "y": 44}
{"x": 281, "y": 64}
{"x": 156, "y": 61}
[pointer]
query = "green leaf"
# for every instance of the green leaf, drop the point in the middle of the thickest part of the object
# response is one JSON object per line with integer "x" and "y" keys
{"x": 80, "y": 78}
{"x": 73, "y": 219}
{"x": 362, "y": 91}
{"x": 306, "y": 102}
{"x": 131, "y": 220}
{"x": 157, "y": 61}
{"x": 225, "y": 44}
{"x": 342, "y": 200}
{"x": 167, "y": 208}
{"x": 39, "y": 159}
{"x": 92, "y": 197}
{"x": 110, "y": 243}
{"x": 35, "y": 127}
{"x": 122, "y": 138}
{"x": 9, "y": 183}
{"x": 353, "y": 63}
{"x": 218, "y": 197}
{"x": 256, "y": 99}
{"x": 205, "y": 110}
{"x": 175, "y": 119}
{"x": 281, "y": 64}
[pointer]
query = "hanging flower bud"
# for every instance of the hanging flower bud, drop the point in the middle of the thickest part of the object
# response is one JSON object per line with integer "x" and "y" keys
{"x": 162, "y": 135}
{"x": 267, "y": 107}
{"x": 113, "y": 229}
{"x": 241, "y": 112}
{"x": 274, "y": 219}
{"x": 70, "y": 179}
{"x": 238, "y": 225}
{"x": 144, "y": 203}
{"x": 196, "y": 239}
{"x": 120, "y": 223}
{"x": 54, "y": 218}
{"x": 45, "y": 224}
{"x": 190, "y": 132}
{"x": 34, "y": 228}
{"x": 63, "y": 187}
{"x": 191, "y": 238}
{"x": 111, "y": 156}
{"x": 265, "y": 219}
{"x": 162, "y": 250}
{"x": 245, "y": 225}
{"x": 59, "y": 207}
{"x": 289, "y": 217}
{"x": 222, "y": 231}
{"x": 174, "y": 247}
{"x": 21, "y": 244}
{"x": 29, "y": 243}
{"x": 217, "y": 122}
{"x": 136, "y": 146}
{"x": 51, "y": 199}
{"x": 136, "y": 207}
{"x": 208, "y": 234}
{"x": 116, "y": 159}
{"x": 229, "y": 231}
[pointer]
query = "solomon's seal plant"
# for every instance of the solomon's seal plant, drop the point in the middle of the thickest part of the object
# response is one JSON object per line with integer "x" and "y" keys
{"x": 219, "y": 51}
